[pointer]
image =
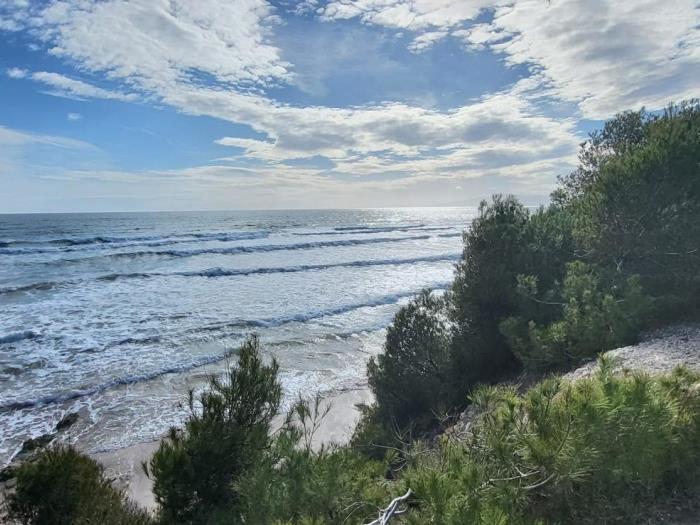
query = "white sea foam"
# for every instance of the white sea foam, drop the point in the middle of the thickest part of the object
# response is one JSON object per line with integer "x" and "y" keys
{"x": 94, "y": 322}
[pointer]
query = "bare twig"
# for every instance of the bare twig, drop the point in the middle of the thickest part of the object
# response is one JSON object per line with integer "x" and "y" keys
{"x": 392, "y": 510}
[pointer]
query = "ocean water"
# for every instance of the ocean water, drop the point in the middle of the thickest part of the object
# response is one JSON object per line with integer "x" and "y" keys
{"x": 117, "y": 315}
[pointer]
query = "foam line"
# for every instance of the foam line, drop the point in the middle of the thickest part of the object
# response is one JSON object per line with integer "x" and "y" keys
{"x": 196, "y": 363}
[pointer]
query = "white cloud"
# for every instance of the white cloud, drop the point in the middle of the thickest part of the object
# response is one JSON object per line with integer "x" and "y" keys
{"x": 501, "y": 129}
{"x": 153, "y": 42}
{"x": 13, "y": 137}
{"x": 63, "y": 86}
{"x": 74, "y": 116}
{"x": 9, "y": 25}
{"x": 425, "y": 41}
{"x": 12, "y": 15}
{"x": 217, "y": 59}
{"x": 479, "y": 36}
{"x": 608, "y": 56}
{"x": 413, "y": 15}
{"x": 18, "y": 149}
{"x": 15, "y": 72}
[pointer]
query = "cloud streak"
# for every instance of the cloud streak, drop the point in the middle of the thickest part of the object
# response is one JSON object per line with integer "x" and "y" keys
{"x": 12, "y": 137}
{"x": 63, "y": 86}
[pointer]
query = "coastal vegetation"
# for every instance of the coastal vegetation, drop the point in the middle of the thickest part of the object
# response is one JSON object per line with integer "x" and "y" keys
{"x": 617, "y": 251}
{"x": 63, "y": 486}
{"x": 225, "y": 436}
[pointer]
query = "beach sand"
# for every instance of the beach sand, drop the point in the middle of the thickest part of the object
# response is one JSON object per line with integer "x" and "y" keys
{"x": 124, "y": 466}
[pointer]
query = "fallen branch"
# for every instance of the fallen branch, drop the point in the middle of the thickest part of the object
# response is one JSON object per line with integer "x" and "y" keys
{"x": 392, "y": 510}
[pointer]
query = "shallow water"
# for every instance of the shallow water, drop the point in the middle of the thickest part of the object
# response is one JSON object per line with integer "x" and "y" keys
{"x": 117, "y": 315}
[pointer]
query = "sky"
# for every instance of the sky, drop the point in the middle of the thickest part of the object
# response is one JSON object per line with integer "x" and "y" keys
{"x": 135, "y": 105}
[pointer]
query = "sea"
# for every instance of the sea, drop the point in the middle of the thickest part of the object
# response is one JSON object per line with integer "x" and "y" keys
{"x": 117, "y": 315}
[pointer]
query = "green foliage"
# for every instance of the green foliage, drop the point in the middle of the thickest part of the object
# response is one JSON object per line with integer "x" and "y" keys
{"x": 550, "y": 246}
{"x": 636, "y": 205}
{"x": 619, "y": 136}
{"x": 62, "y": 486}
{"x": 598, "y": 449}
{"x": 596, "y": 316}
{"x": 504, "y": 242}
{"x": 545, "y": 288}
{"x": 226, "y": 433}
{"x": 323, "y": 487}
{"x": 484, "y": 288}
{"x": 565, "y": 452}
{"x": 410, "y": 379}
{"x": 297, "y": 482}
{"x": 373, "y": 436}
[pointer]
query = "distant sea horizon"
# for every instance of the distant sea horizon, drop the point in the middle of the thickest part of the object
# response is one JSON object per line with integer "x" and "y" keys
{"x": 240, "y": 210}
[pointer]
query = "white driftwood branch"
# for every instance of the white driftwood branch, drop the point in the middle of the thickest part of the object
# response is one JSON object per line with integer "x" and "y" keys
{"x": 392, "y": 510}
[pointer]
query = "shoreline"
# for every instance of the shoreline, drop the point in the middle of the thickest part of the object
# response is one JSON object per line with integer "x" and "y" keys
{"x": 124, "y": 466}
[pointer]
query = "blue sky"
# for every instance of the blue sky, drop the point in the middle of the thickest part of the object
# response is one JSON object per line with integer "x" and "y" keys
{"x": 126, "y": 105}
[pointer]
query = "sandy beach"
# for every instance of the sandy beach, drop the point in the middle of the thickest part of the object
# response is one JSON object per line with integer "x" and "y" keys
{"x": 124, "y": 466}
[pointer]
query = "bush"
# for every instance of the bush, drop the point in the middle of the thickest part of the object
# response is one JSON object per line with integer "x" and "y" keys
{"x": 636, "y": 203}
{"x": 483, "y": 291}
{"x": 594, "y": 316}
{"x": 504, "y": 242}
{"x": 63, "y": 486}
{"x": 295, "y": 482}
{"x": 410, "y": 379}
{"x": 437, "y": 349}
{"x": 597, "y": 449}
{"x": 328, "y": 486}
{"x": 226, "y": 433}
{"x": 374, "y": 437}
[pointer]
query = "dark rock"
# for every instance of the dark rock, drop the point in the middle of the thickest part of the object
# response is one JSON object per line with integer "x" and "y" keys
{"x": 28, "y": 453}
{"x": 9, "y": 472}
{"x": 67, "y": 421}
{"x": 11, "y": 483}
{"x": 36, "y": 443}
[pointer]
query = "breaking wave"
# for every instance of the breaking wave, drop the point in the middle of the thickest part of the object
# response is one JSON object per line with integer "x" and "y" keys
{"x": 17, "y": 336}
{"x": 231, "y": 250}
{"x": 69, "y": 245}
{"x": 188, "y": 365}
{"x": 241, "y": 272}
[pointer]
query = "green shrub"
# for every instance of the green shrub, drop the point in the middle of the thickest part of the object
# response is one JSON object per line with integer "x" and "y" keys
{"x": 593, "y": 316}
{"x": 437, "y": 349}
{"x": 597, "y": 449}
{"x": 299, "y": 482}
{"x": 636, "y": 205}
{"x": 327, "y": 486}
{"x": 619, "y": 136}
{"x": 483, "y": 291}
{"x": 374, "y": 436}
{"x": 62, "y": 486}
{"x": 504, "y": 242}
{"x": 550, "y": 246}
{"x": 227, "y": 432}
{"x": 409, "y": 380}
